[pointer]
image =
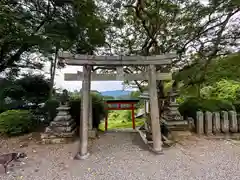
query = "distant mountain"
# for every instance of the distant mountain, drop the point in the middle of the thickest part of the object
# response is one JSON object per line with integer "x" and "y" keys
{"x": 116, "y": 93}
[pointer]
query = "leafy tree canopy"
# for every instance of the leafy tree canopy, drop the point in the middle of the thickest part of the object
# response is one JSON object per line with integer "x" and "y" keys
{"x": 30, "y": 88}
{"x": 227, "y": 67}
{"x": 39, "y": 26}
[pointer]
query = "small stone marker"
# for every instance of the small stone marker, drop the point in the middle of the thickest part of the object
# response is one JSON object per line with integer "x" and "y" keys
{"x": 233, "y": 121}
{"x": 216, "y": 123}
{"x": 199, "y": 123}
{"x": 238, "y": 120}
{"x": 208, "y": 123}
{"x": 224, "y": 122}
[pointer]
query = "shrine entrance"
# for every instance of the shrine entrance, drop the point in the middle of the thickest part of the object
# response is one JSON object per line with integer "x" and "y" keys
{"x": 117, "y": 63}
{"x": 121, "y": 105}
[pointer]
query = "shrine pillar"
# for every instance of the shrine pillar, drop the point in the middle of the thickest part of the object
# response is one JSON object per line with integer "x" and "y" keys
{"x": 154, "y": 110}
{"x": 85, "y": 111}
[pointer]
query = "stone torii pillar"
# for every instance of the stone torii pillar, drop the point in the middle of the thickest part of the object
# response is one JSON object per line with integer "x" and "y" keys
{"x": 85, "y": 110}
{"x": 154, "y": 111}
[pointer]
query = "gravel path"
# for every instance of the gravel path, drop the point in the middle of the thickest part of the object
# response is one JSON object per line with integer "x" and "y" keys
{"x": 120, "y": 156}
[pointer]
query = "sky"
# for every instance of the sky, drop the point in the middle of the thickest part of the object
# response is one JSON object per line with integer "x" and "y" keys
{"x": 77, "y": 85}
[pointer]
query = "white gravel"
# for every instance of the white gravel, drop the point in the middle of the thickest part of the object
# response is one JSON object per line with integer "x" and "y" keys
{"x": 120, "y": 156}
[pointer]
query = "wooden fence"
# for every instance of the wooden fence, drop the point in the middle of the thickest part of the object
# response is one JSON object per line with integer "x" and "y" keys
{"x": 209, "y": 123}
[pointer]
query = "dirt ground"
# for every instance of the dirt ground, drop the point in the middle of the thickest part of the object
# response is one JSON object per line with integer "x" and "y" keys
{"x": 120, "y": 156}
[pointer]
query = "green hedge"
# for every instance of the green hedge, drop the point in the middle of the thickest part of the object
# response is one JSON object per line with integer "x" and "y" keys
{"x": 190, "y": 106}
{"x": 98, "y": 108}
{"x": 16, "y": 122}
{"x": 50, "y": 108}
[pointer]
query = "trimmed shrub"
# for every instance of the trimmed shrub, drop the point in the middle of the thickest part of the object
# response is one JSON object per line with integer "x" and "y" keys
{"x": 98, "y": 109}
{"x": 16, "y": 122}
{"x": 75, "y": 109}
{"x": 50, "y": 108}
{"x": 191, "y": 105}
{"x": 2, "y": 107}
{"x": 12, "y": 105}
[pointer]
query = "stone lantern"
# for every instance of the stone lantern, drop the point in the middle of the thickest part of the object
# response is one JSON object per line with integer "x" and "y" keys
{"x": 63, "y": 128}
{"x": 171, "y": 112}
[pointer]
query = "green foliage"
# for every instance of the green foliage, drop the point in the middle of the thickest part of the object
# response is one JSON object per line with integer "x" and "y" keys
{"x": 108, "y": 97}
{"x": 36, "y": 87}
{"x": 224, "y": 89}
{"x": 98, "y": 107}
{"x": 16, "y": 122}
{"x": 14, "y": 104}
{"x": 44, "y": 26}
{"x": 29, "y": 88}
{"x": 237, "y": 106}
{"x": 75, "y": 109}
{"x": 185, "y": 27}
{"x": 50, "y": 108}
{"x": 14, "y": 91}
{"x": 123, "y": 116}
{"x": 190, "y": 106}
{"x": 135, "y": 94}
{"x": 225, "y": 69}
{"x": 120, "y": 119}
{"x": 167, "y": 87}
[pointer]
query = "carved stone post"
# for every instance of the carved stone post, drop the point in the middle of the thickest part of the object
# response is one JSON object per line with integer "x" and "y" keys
{"x": 200, "y": 123}
{"x": 154, "y": 111}
{"x": 208, "y": 123}
{"x": 86, "y": 84}
{"x": 224, "y": 122}
{"x": 233, "y": 121}
{"x": 216, "y": 123}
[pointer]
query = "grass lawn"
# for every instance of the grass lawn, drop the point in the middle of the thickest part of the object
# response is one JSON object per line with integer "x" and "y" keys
{"x": 120, "y": 124}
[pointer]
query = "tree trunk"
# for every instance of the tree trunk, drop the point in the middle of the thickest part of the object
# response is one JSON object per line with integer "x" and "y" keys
{"x": 52, "y": 72}
{"x": 160, "y": 89}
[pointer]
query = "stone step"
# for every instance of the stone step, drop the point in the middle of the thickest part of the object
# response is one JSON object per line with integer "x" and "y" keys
{"x": 178, "y": 125}
{"x": 176, "y": 122}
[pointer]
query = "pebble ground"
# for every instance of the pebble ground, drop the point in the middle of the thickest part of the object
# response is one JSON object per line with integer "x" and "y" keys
{"x": 122, "y": 156}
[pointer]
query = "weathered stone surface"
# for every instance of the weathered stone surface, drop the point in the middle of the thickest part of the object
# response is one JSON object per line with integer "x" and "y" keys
{"x": 191, "y": 124}
{"x": 58, "y": 135}
{"x": 238, "y": 120}
{"x": 63, "y": 108}
{"x": 224, "y": 122}
{"x": 172, "y": 113}
{"x": 61, "y": 129}
{"x": 216, "y": 123}
{"x": 62, "y": 113}
{"x": 92, "y": 133}
{"x": 57, "y": 140}
{"x": 200, "y": 123}
{"x": 62, "y": 123}
{"x": 208, "y": 123}
{"x": 62, "y": 118}
{"x": 233, "y": 124}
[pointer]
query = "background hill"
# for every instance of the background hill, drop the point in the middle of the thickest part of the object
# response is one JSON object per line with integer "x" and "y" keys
{"x": 116, "y": 93}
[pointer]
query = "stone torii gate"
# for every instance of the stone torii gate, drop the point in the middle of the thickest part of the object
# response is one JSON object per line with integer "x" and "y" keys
{"x": 88, "y": 61}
